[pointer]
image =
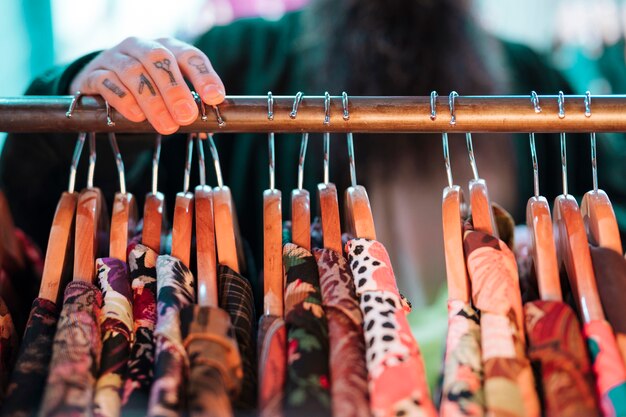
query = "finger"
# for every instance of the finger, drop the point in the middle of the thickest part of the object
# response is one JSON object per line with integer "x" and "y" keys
{"x": 161, "y": 65}
{"x": 195, "y": 65}
{"x": 136, "y": 78}
{"x": 113, "y": 90}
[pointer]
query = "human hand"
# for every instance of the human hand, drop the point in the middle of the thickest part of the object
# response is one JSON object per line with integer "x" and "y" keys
{"x": 143, "y": 79}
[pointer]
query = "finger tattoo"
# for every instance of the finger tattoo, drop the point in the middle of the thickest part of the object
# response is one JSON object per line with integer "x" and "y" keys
{"x": 145, "y": 82}
{"x": 164, "y": 65}
{"x": 114, "y": 88}
{"x": 199, "y": 64}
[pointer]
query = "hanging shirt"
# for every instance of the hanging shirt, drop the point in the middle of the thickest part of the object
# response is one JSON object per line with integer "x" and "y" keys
{"x": 609, "y": 268}
{"x": 136, "y": 391}
{"x": 75, "y": 354}
{"x": 348, "y": 377}
{"x": 116, "y": 326}
{"x": 215, "y": 364}
{"x": 28, "y": 379}
{"x": 397, "y": 379}
{"x": 9, "y": 344}
{"x": 272, "y": 342}
{"x": 174, "y": 292}
{"x": 462, "y": 389}
{"x": 235, "y": 297}
{"x": 558, "y": 353}
{"x": 509, "y": 384}
{"x": 307, "y": 387}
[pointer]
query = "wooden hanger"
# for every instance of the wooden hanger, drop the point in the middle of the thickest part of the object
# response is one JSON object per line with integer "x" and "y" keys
{"x": 573, "y": 249}
{"x": 226, "y": 229}
{"x": 539, "y": 223}
{"x": 327, "y": 194}
{"x": 359, "y": 218}
{"x": 183, "y": 214}
{"x": 154, "y": 207}
{"x": 273, "y": 303}
{"x": 91, "y": 220}
{"x": 206, "y": 256}
{"x": 58, "y": 254}
{"x": 596, "y": 208}
{"x": 300, "y": 199}
{"x": 124, "y": 213}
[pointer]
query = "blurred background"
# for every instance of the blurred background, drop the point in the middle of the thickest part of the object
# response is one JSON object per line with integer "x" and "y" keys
{"x": 584, "y": 38}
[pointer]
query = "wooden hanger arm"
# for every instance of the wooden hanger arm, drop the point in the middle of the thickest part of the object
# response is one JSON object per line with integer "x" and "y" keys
{"x": 329, "y": 211}
{"x": 182, "y": 227}
{"x": 456, "y": 270}
{"x": 539, "y": 222}
{"x": 123, "y": 224}
{"x": 153, "y": 221}
{"x": 301, "y": 218}
{"x": 272, "y": 253}
{"x": 205, "y": 246}
{"x": 360, "y": 213}
{"x": 600, "y": 221}
{"x": 482, "y": 214}
{"x": 225, "y": 235}
{"x": 88, "y": 220}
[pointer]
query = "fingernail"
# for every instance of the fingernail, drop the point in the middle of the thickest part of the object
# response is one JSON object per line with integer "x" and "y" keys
{"x": 212, "y": 91}
{"x": 164, "y": 123}
{"x": 184, "y": 110}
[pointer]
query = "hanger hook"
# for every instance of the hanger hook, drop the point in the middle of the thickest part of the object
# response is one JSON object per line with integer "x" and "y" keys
{"x": 350, "y": 141}
{"x": 201, "y": 160}
{"x": 216, "y": 161}
{"x": 296, "y": 104}
{"x": 156, "y": 156}
{"x": 592, "y": 137}
{"x": 119, "y": 162}
{"x": 451, "y": 98}
{"x": 446, "y": 158}
{"x": 561, "y": 102}
{"x": 110, "y": 121}
{"x": 326, "y": 108}
{"x": 218, "y": 116}
{"x": 587, "y": 103}
{"x": 470, "y": 151}
{"x": 270, "y": 141}
{"x": 564, "y": 162}
{"x": 92, "y": 159}
{"x": 201, "y": 106}
{"x": 78, "y": 149}
{"x": 70, "y": 111}
{"x": 188, "y": 158}
{"x": 534, "y": 99}
{"x": 433, "y": 105}
{"x": 533, "y": 156}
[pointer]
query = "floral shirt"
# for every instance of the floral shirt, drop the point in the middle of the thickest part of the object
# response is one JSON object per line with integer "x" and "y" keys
{"x": 75, "y": 354}
{"x": 142, "y": 263}
{"x": 348, "y": 386}
{"x": 116, "y": 325}
{"x": 174, "y": 292}
{"x": 29, "y": 376}
{"x": 272, "y": 342}
{"x": 397, "y": 379}
{"x": 509, "y": 383}
{"x": 307, "y": 388}
{"x": 8, "y": 346}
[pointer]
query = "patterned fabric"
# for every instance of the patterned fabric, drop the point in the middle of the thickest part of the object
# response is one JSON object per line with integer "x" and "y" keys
{"x": 215, "y": 365}
{"x": 235, "y": 297}
{"x": 609, "y": 268}
{"x": 397, "y": 379}
{"x": 607, "y": 367}
{"x": 116, "y": 326}
{"x": 307, "y": 388}
{"x": 272, "y": 355}
{"x": 31, "y": 370}
{"x": 174, "y": 292}
{"x": 8, "y": 347}
{"x": 75, "y": 353}
{"x": 142, "y": 263}
{"x": 558, "y": 353}
{"x": 509, "y": 383}
{"x": 462, "y": 390}
{"x": 348, "y": 385}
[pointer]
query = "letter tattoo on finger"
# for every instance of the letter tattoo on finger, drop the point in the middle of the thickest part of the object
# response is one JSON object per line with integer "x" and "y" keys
{"x": 145, "y": 82}
{"x": 199, "y": 64}
{"x": 164, "y": 65}
{"x": 114, "y": 88}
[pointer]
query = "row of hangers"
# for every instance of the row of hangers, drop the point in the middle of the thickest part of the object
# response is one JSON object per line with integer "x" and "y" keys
{"x": 81, "y": 217}
{"x": 566, "y": 243}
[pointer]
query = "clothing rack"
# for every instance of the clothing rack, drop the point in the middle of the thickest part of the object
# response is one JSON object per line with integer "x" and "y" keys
{"x": 371, "y": 114}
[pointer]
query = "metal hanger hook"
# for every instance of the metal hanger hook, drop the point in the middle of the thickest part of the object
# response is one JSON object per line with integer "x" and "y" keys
{"x": 201, "y": 160}
{"x": 561, "y": 102}
{"x": 564, "y": 162}
{"x": 587, "y": 103}
{"x": 433, "y": 105}
{"x": 119, "y": 162}
{"x": 216, "y": 161}
{"x": 349, "y": 141}
{"x": 270, "y": 106}
{"x": 270, "y": 142}
{"x": 326, "y": 108}
{"x": 92, "y": 159}
{"x": 451, "y": 98}
{"x": 75, "y": 99}
{"x": 533, "y": 156}
{"x": 534, "y": 99}
{"x": 345, "y": 104}
{"x": 472, "y": 158}
{"x": 188, "y": 159}
{"x": 156, "y": 156}
{"x": 110, "y": 121}
{"x": 78, "y": 149}
{"x": 296, "y": 104}
{"x": 201, "y": 106}
{"x": 218, "y": 116}
{"x": 446, "y": 158}
{"x": 592, "y": 137}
